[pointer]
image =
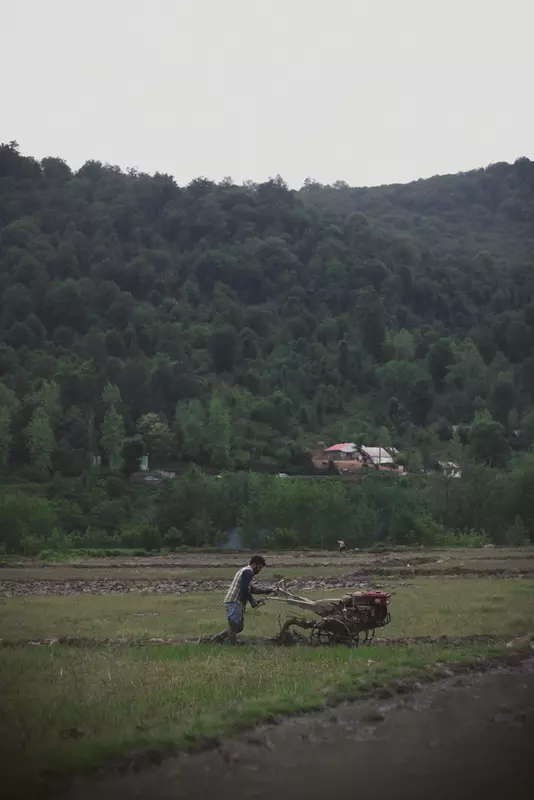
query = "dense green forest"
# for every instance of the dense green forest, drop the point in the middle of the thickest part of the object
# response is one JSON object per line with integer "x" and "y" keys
{"x": 234, "y": 326}
{"x": 251, "y": 509}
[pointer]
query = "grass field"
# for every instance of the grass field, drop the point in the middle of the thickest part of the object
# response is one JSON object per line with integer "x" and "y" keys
{"x": 66, "y": 709}
{"x": 427, "y": 607}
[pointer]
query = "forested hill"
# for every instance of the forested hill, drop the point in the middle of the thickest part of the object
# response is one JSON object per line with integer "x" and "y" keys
{"x": 232, "y": 325}
{"x": 485, "y": 207}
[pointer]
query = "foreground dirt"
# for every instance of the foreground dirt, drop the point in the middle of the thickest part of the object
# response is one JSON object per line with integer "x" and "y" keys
{"x": 304, "y": 641}
{"x": 465, "y": 737}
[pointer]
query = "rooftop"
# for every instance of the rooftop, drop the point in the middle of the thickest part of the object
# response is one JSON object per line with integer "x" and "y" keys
{"x": 345, "y": 447}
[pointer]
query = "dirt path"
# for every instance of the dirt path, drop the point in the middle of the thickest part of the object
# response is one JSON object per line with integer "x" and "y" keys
{"x": 92, "y": 643}
{"x": 466, "y": 737}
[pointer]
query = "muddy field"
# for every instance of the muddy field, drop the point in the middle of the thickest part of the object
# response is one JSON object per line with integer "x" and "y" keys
{"x": 309, "y": 571}
{"x": 251, "y": 641}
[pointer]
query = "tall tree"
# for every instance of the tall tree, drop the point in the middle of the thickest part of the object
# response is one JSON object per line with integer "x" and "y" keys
{"x": 488, "y": 442}
{"x": 440, "y": 358}
{"x": 156, "y": 435}
{"x": 112, "y": 433}
{"x": 41, "y": 441}
{"x": 6, "y": 436}
{"x": 219, "y": 433}
{"x": 9, "y": 405}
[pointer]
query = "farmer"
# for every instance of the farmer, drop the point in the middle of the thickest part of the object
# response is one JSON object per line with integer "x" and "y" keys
{"x": 342, "y": 546}
{"x": 238, "y": 595}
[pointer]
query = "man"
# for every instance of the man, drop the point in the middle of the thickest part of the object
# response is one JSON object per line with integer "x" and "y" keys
{"x": 342, "y": 546}
{"x": 238, "y": 595}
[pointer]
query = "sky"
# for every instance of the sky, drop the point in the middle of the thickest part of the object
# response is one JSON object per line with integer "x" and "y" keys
{"x": 364, "y": 91}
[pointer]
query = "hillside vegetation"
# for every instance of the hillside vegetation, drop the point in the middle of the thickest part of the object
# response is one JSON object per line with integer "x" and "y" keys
{"x": 232, "y": 325}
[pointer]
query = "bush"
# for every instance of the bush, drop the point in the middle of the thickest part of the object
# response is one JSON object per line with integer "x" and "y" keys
{"x": 23, "y": 516}
{"x": 468, "y": 538}
{"x": 381, "y": 547}
{"x": 173, "y": 538}
{"x": 516, "y": 535}
{"x": 283, "y": 539}
{"x": 31, "y": 545}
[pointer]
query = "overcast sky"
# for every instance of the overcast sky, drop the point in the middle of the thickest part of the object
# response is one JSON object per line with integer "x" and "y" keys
{"x": 366, "y": 91}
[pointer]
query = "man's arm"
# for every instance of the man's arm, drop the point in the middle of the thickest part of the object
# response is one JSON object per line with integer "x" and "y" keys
{"x": 246, "y": 594}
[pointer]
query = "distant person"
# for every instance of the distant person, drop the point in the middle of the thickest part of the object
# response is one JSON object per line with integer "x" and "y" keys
{"x": 238, "y": 595}
{"x": 342, "y": 546}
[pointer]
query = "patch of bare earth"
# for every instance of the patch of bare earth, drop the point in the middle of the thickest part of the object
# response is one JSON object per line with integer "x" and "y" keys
{"x": 202, "y": 572}
{"x": 468, "y": 736}
{"x": 87, "y": 642}
{"x": 176, "y": 586}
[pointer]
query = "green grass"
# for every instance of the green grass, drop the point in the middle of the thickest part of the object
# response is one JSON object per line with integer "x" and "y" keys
{"x": 64, "y": 710}
{"x": 55, "y": 556}
{"x": 429, "y": 607}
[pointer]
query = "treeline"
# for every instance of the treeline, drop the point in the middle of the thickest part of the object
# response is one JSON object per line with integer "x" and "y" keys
{"x": 234, "y": 325}
{"x": 252, "y": 510}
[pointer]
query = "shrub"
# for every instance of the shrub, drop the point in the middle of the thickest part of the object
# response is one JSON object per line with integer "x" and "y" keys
{"x": 22, "y": 516}
{"x": 516, "y": 535}
{"x": 469, "y": 538}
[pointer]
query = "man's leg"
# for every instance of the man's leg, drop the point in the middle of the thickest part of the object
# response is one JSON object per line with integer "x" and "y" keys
{"x": 234, "y": 615}
{"x": 232, "y": 634}
{"x": 235, "y": 622}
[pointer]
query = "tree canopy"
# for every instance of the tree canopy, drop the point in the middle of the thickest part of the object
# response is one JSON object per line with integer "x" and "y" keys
{"x": 232, "y": 325}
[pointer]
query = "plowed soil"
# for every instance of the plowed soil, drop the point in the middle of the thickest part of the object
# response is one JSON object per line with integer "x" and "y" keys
{"x": 192, "y": 573}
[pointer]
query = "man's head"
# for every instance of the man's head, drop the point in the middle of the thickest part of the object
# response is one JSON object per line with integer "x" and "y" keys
{"x": 257, "y": 563}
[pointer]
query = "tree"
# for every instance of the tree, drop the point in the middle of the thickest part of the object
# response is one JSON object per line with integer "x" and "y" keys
{"x": 398, "y": 378}
{"x": 503, "y": 398}
{"x": 397, "y": 414}
{"x": 112, "y": 429}
{"x": 372, "y": 325}
{"x": 156, "y": 435}
{"x": 112, "y": 433}
{"x": 421, "y": 400}
{"x": 9, "y": 405}
{"x": 222, "y": 347}
{"x": 6, "y": 436}
{"x": 41, "y": 441}
{"x": 48, "y": 397}
{"x": 132, "y": 451}
{"x": 488, "y": 442}
{"x": 414, "y": 461}
{"x": 402, "y": 344}
{"x": 191, "y": 423}
{"x": 526, "y": 431}
{"x": 440, "y": 359}
{"x": 219, "y": 433}
{"x": 384, "y": 437}
{"x": 111, "y": 396}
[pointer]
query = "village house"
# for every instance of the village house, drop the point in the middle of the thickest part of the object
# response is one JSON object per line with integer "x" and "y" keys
{"x": 350, "y": 457}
